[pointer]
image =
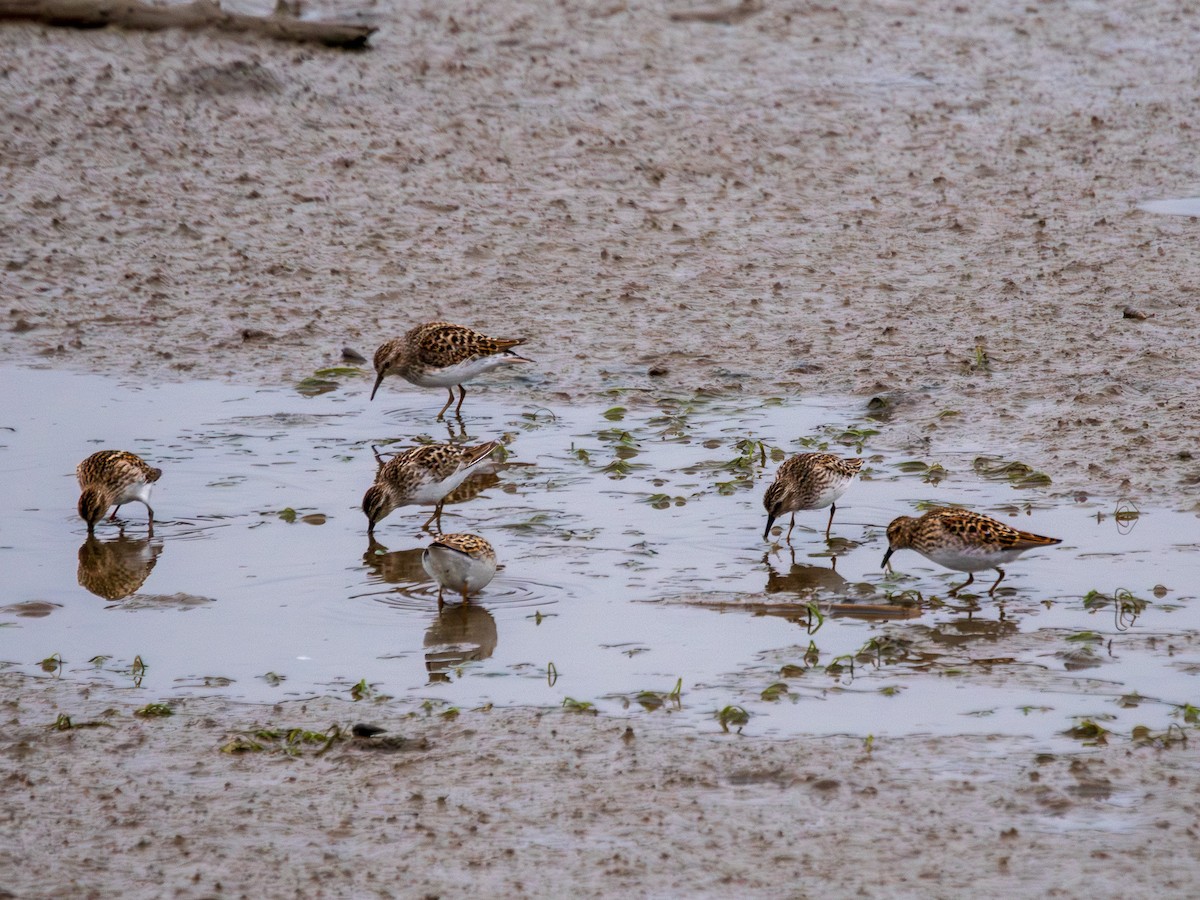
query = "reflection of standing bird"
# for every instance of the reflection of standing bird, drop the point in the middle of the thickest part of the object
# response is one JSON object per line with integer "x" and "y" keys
{"x": 438, "y": 354}
{"x": 459, "y": 635}
{"x": 423, "y": 475}
{"x": 465, "y": 563}
{"x": 962, "y": 540}
{"x": 115, "y": 569}
{"x": 395, "y": 566}
{"x": 110, "y": 477}
{"x": 808, "y": 481}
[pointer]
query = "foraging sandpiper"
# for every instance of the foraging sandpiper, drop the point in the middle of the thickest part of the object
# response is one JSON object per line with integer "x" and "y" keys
{"x": 465, "y": 563}
{"x": 423, "y": 475}
{"x": 109, "y": 477}
{"x": 962, "y": 540}
{"x": 438, "y": 354}
{"x": 808, "y": 481}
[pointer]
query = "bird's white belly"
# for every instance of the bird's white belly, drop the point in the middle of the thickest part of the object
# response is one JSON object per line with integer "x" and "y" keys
{"x": 457, "y": 571}
{"x": 828, "y": 496}
{"x": 971, "y": 560}
{"x": 139, "y": 491}
{"x": 434, "y": 492}
{"x": 457, "y": 373}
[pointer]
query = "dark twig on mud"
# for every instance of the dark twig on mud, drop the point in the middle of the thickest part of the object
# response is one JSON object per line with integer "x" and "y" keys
{"x": 196, "y": 14}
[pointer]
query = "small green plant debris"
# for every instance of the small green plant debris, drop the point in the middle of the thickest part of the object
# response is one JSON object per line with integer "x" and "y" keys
{"x": 654, "y": 700}
{"x": 361, "y": 690}
{"x": 615, "y": 413}
{"x": 52, "y": 663}
{"x": 1174, "y": 734}
{"x": 313, "y": 386}
{"x": 1017, "y": 474}
{"x": 774, "y": 692}
{"x": 856, "y": 436}
{"x": 570, "y": 704}
{"x": 339, "y": 372}
{"x": 287, "y": 514}
{"x": 1189, "y": 713}
{"x": 154, "y": 711}
{"x": 63, "y": 723}
{"x": 274, "y": 679}
{"x": 289, "y": 741}
{"x": 1088, "y": 731}
{"x": 733, "y": 715}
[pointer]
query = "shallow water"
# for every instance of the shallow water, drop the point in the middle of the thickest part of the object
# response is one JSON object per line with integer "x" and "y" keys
{"x": 633, "y": 557}
{"x": 1181, "y": 206}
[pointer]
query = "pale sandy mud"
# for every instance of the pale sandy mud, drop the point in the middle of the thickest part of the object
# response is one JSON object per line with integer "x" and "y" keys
{"x": 933, "y": 202}
{"x": 555, "y": 804}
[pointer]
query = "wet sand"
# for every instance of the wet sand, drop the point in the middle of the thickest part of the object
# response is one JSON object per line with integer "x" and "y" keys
{"x": 936, "y": 204}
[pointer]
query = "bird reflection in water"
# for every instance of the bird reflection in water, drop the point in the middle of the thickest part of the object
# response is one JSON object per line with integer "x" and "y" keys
{"x": 823, "y": 585}
{"x": 116, "y": 568}
{"x": 395, "y": 566}
{"x": 460, "y": 634}
{"x": 804, "y": 579}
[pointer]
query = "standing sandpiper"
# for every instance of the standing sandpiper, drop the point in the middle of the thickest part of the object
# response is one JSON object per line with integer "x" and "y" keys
{"x": 438, "y": 354}
{"x": 110, "y": 477}
{"x": 808, "y": 481}
{"x": 962, "y": 540}
{"x": 423, "y": 475}
{"x": 465, "y": 563}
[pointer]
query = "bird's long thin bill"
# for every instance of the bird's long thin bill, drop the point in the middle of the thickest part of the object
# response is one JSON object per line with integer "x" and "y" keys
{"x": 886, "y": 557}
{"x": 767, "y": 531}
{"x": 378, "y": 380}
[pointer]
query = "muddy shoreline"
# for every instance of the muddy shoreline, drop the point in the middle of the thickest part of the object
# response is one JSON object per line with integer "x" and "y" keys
{"x": 544, "y": 803}
{"x": 938, "y": 205}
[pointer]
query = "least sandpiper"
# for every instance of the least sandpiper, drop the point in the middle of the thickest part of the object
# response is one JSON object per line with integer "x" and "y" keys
{"x": 438, "y": 354}
{"x": 110, "y": 477}
{"x": 962, "y": 540}
{"x": 465, "y": 563}
{"x": 808, "y": 481}
{"x": 423, "y": 475}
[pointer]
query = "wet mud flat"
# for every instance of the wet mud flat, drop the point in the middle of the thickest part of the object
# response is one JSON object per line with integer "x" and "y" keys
{"x": 542, "y": 804}
{"x": 953, "y": 207}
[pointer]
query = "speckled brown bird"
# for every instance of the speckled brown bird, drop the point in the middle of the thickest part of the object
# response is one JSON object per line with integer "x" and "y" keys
{"x": 808, "y": 481}
{"x": 110, "y": 477}
{"x": 439, "y": 354}
{"x": 423, "y": 475}
{"x": 465, "y": 563}
{"x": 962, "y": 540}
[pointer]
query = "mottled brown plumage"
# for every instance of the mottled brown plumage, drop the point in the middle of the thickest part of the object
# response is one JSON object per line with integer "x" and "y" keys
{"x": 808, "y": 481}
{"x": 962, "y": 540}
{"x": 423, "y": 475}
{"x": 440, "y": 354}
{"x": 114, "y": 477}
{"x": 115, "y": 569}
{"x": 465, "y": 563}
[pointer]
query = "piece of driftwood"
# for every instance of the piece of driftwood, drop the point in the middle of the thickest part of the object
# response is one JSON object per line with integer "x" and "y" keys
{"x": 196, "y": 14}
{"x": 720, "y": 16}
